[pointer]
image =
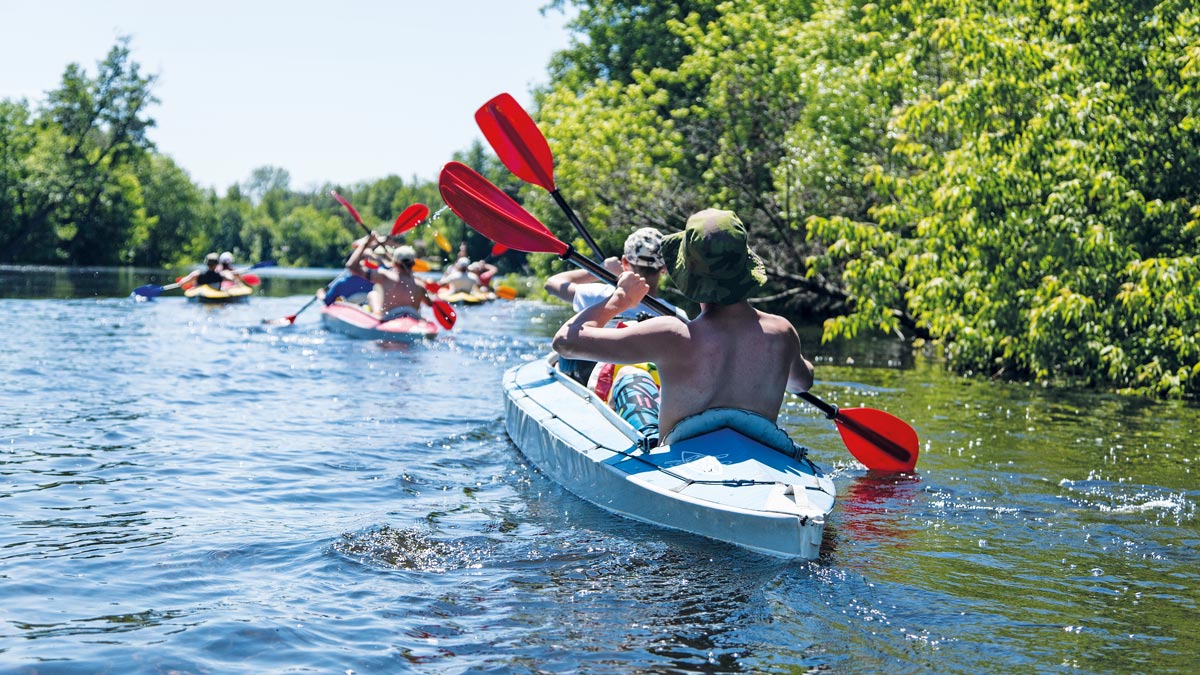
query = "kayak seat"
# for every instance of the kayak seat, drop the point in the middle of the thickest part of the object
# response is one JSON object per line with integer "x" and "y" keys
{"x": 398, "y": 312}
{"x": 749, "y": 424}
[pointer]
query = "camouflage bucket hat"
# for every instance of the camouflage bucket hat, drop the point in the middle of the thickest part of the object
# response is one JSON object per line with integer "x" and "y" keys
{"x": 710, "y": 261}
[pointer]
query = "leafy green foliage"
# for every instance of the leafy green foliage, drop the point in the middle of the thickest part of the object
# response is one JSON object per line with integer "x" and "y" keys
{"x": 1015, "y": 181}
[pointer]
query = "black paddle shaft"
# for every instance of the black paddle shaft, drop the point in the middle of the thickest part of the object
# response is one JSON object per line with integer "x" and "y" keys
{"x": 562, "y": 203}
{"x": 601, "y": 272}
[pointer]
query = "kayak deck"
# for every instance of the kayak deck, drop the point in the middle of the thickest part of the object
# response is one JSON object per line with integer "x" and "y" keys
{"x": 720, "y": 484}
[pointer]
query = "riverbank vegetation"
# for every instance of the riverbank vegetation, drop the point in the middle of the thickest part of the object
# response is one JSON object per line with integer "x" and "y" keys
{"x": 1016, "y": 183}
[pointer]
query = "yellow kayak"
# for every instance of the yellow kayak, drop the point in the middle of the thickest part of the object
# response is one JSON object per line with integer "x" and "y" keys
{"x": 208, "y": 294}
{"x": 464, "y": 298}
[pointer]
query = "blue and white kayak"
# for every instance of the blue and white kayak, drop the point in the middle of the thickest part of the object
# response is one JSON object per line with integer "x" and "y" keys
{"x": 727, "y": 474}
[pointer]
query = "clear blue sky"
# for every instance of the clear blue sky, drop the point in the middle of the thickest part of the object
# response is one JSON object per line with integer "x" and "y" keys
{"x": 341, "y": 91}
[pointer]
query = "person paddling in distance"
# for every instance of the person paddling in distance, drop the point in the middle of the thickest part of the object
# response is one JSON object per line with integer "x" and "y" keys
{"x": 225, "y": 267}
{"x": 642, "y": 255}
{"x": 396, "y": 292}
{"x": 730, "y": 356}
{"x": 211, "y": 276}
{"x": 485, "y": 271}
{"x": 460, "y": 278}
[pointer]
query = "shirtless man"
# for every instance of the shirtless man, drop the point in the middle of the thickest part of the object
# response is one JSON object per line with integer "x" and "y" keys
{"x": 731, "y": 355}
{"x": 397, "y": 292}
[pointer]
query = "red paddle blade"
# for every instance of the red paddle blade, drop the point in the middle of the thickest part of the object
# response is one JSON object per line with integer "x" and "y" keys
{"x": 409, "y": 218}
{"x": 497, "y": 249}
{"x": 880, "y": 440}
{"x": 251, "y": 279}
{"x": 517, "y": 140}
{"x": 343, "y": 202}
{"x": 494, "y": 214}
{"x": 444, "y": 313}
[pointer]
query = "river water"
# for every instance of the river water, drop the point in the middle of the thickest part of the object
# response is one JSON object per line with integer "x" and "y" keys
{"x": 184, "y": 491}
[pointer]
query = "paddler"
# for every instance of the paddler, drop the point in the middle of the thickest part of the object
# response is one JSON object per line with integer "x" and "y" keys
{"x": 460, "y": 278}
{"x": 212, "y": 276}
{"x": 642, "y": 255}
{"x": 396, "y": 292}
{"x": 730, "y": 356}
{"x": 485, "y": 271}
{"x": 225, "y": 267}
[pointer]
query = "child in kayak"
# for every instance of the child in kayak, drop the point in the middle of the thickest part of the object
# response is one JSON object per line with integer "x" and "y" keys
{"x": 730, "y": 356}
{"x": 397, "y": 292}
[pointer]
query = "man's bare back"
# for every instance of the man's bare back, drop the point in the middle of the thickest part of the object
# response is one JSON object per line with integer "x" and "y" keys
{"x": 729, "y": 356}
{"x": 395, "y": 287}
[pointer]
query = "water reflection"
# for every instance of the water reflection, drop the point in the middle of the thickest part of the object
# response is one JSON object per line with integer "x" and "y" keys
{"x": 873, "y": 507}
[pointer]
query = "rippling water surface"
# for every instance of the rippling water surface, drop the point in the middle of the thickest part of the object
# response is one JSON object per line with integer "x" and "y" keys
{"x": 182, "y": 490}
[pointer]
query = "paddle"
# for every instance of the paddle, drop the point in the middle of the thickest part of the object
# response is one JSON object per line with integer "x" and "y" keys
{"x": 441, "y": 241}
{"x": 409, "y": 218}
{"x": 881, "y": 441}
{"x": 154, "y": 290}
{"x": 495, "y": 215}
{"x": 522, "y": 148}
{"x": 291, "y": 318}
{"x": 442, "y": 310}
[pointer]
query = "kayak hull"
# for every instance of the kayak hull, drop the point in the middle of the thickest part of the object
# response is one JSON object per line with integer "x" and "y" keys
{"x": 720, "y": 484}
{"x": 464, "y": 298}
{"x": 352, "y": 320}
{"x": 226, "y": 294}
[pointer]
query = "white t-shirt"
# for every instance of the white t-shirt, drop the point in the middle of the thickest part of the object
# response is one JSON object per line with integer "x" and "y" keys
{"x": 460, "y": 282}
{"x": 587, "y": 295}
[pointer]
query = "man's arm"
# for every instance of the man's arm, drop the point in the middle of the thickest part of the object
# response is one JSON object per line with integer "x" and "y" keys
{"x": 354, "y": 264}
{"x": 584, "y": 336}
{"x": 800, "y": 373}
{"x": 562, "y": 285}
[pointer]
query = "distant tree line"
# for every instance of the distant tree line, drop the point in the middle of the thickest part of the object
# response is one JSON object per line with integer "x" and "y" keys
{"x": 81, "y": 183}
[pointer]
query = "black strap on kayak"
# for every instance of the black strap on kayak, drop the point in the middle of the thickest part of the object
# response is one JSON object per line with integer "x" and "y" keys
{"x": 687, "y": 482}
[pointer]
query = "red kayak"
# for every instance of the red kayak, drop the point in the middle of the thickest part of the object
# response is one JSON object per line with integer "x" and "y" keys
{"x": 350, "y": 319}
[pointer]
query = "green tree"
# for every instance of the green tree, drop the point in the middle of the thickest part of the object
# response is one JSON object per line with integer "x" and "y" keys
{"x": 310, "y": 237}
{"x": 78, "y": 187}
{"x": 1016, "y": 181}
{"x": 1042, "y": 213}
{"x": 176, "y": 207}
{"x": 618, "y": 38}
